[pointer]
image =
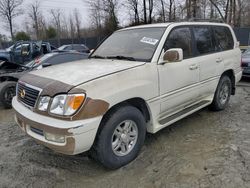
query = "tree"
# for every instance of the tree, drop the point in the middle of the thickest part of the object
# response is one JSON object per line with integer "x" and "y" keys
{"x": 56, "y": 16}
{"x": 163, "y": 11}
{"x": 150, "y": 8}
{"x": 111, "y": 20}
{"x": 72, "y": 27}
{"x": 96, "y": 14}
{"x": 104, "y": 15}
{"x": 134, "y": 6}
{"x": 9, "y": 9}
{"x": 51, "y": 32}
{"x": 35, "y": 14}
{"x": 22, "y": 36}
{"x": 145, "y": 11}
{"x": 77, "y": 23}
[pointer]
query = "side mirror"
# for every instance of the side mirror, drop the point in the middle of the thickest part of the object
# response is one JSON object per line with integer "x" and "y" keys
{"x": 173, "y": 55}
{"x": 46, "y": 65}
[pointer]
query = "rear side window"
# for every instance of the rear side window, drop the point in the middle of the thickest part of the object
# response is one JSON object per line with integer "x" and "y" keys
{"x": 204, "y": 40}
{"x": 223, "y": 38}
{"x": 180, "y": 38}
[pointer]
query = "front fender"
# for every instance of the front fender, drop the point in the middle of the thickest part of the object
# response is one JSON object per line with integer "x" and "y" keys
{"x": 139, "y": 82}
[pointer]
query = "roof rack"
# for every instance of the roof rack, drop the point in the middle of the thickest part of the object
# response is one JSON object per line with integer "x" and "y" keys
{"x": 201, "y": 20}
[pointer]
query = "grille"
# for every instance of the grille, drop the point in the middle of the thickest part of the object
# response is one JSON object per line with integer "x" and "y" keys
{"x": 27, "y": 95}
{"x": 37, "y": 131}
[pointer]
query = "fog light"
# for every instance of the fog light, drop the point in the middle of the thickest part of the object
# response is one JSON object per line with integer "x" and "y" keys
{"x": 54, "y": 137}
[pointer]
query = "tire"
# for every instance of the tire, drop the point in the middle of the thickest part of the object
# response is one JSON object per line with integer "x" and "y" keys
{"x": 7, "y": 92}
{"x": 222, "y": 94}
{"x": 109, "y": 147}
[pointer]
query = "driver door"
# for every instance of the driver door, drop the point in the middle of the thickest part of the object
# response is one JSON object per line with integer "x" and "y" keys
{"x": 179, "y": 80}
{"x": 21, "y": 53}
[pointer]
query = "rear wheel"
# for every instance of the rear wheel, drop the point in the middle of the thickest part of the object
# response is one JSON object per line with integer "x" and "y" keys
{"x": 7, "y": 92}
{"x": 222, "y": 94}
{"x": 121, "y": 137}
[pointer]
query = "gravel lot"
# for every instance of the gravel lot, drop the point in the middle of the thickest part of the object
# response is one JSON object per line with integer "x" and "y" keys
{"x": 207, "y": 149}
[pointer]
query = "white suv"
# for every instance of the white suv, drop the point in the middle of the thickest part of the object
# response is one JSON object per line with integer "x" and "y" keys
{"x": 140, "y": 79}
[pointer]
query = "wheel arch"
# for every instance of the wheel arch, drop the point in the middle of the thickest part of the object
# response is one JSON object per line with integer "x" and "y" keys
{"x": 137, "y": 102}
{"x": 8, "y": 78}
{"x": 231, "y": 75}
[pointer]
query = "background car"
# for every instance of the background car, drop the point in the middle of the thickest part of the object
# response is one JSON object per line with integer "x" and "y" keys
{"x": 246, "y": 63}
{"x": 11, "y": 72}
{"x": 75, "y": 47}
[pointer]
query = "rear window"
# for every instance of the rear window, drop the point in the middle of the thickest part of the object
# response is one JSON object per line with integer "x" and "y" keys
{"x": 204, "y": 40}
{"x": 223, "y": 38}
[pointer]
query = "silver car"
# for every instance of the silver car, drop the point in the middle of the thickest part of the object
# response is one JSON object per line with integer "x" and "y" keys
{"x": 246, "y": 63}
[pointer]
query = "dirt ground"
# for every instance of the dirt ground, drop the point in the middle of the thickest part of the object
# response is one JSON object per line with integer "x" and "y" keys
{"x": 207, "y": 149}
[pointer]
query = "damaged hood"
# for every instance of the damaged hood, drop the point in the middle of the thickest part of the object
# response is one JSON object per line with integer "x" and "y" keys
{"x": 79, "y": 72}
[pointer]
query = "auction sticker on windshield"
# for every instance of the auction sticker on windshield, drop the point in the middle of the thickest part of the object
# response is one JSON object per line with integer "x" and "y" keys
{"x": 149, "y": 40}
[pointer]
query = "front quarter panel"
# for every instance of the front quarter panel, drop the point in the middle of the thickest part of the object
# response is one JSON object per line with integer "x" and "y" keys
{"x": 139, "y": 82}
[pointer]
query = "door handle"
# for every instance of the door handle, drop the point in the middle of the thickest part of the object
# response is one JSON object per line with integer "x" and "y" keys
{"x": 219, "y": 60}
{"x": 193, "y": 67}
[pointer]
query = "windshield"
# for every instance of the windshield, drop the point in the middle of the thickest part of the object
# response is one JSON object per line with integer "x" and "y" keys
{"x": 62, "y": 47}
{"x": 133, "y": 44}
{"x": 36, "y": 62}
{"x": 10, "y": 48}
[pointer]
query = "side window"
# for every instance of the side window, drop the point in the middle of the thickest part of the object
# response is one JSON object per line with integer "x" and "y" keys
{"x": 204, "y": 40}
{"x": 223, "y": 38}
{"x": 78, "y": 47}
{"x": 180, "y": 38}
{"x": 68, "y": 48}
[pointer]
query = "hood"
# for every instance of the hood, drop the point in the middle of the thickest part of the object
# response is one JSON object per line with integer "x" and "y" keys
{"x": 78, "y": 72}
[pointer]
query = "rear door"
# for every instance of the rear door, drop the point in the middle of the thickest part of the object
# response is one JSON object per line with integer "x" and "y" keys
{"x": 224, "y": 46}
{"x": 208, "y": 61}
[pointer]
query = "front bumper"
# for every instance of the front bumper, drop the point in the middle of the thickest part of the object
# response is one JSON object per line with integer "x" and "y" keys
{"x": 79, "y": 135}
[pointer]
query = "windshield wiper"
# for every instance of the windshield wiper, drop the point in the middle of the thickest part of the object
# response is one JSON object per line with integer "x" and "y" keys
{"x": 122, "y": 58}
{"x": 98, "y": 57}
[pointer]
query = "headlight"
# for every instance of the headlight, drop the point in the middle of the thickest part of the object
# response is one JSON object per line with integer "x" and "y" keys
{"x": 66, "y": 105}
{"x": 43, "y": 103}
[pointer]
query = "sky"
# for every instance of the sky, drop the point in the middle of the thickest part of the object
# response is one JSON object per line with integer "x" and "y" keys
{"x": 67, "y": 6}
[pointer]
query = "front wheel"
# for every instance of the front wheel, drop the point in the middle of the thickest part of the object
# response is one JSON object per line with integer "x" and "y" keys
{"x": 7, "y": 92}
{"x": 222, "y": 94}
{"x": 121, "y": 137}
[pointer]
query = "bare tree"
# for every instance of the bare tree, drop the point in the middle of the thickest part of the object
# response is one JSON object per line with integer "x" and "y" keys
{"x": 171, "y": 10}
{"x": 77, "y": 23}
{"x": 163, "y": 11}
{"x": 110, "y": 13}
{"x": 57, "y": 15}
{"x": 150, "y": 8}
{"x": 96, "y": 14}
{"x": 72, "y": 27}
{"x": 145, "y": 11}
{"x": 35, "y": 14}
{"x": 134, "y": 6}
{"x": 9, "y": 9}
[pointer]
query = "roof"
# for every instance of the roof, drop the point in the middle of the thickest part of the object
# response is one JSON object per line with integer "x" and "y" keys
{"x": 174, "y": 23}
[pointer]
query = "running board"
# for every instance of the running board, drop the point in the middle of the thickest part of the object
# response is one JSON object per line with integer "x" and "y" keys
{"x": 185, "y": 112}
